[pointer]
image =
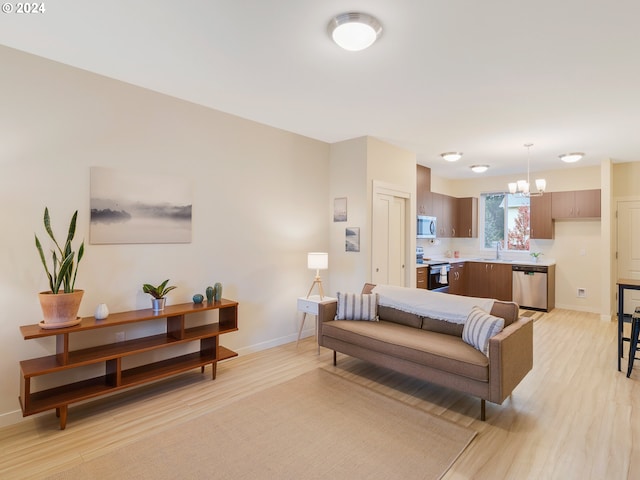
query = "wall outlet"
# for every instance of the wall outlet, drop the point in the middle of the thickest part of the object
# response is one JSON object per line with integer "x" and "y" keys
{"x": 120, "y": 337}
{"x": 582, "y": 293}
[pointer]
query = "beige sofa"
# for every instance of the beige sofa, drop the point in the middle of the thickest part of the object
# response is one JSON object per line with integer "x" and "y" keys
{"x": 433, "y": 350}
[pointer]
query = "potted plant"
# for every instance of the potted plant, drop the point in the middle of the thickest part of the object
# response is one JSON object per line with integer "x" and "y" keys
{"x": 61, "y": 303}
{"x": 535, "y": 256}
{"x": 158, "y": 293}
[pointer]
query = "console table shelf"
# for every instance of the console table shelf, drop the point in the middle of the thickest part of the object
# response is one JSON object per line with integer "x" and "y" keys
{"x": 110, "y": 355}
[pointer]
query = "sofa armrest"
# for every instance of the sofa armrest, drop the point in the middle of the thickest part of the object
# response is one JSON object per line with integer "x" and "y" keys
{"x": 326, "y": 313}
{"x": 510, "y": 358}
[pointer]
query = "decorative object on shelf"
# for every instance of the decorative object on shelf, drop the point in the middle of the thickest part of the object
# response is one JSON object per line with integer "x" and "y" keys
{"x": 158, "y": 293}
{"x": 521, "y": 187}
{"x": 60, "y": 308}
{"x": 317, "y": 261}
{"x": 209, "y": 293}
{"x": 354, "y": 31}
{"x": 535, "y": 255}
{"x": 102, "y": 312}
{"x": 217, "y": 292}
{"x": 198, "y": 298}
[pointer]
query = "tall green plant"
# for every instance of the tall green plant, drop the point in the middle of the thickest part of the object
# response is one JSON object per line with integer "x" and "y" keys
{"x": 63, "y": 273}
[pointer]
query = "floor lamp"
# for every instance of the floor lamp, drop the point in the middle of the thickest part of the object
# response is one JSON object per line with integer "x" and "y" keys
{"x": 317, "y": 261}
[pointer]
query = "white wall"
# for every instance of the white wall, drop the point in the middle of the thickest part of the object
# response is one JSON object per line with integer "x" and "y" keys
{"x": 260, "y": 202}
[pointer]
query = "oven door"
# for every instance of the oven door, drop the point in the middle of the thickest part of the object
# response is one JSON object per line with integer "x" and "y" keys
{"x": 435, "y": 281}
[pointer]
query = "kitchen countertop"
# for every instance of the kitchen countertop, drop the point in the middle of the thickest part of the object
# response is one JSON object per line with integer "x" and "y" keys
{"x": 489, "y": 260}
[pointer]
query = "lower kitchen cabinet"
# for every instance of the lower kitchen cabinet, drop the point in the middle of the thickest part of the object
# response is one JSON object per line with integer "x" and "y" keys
{"x": 457, "y": 285}
{"x": 421, "y": 277}
{"x": 489, "y": 280}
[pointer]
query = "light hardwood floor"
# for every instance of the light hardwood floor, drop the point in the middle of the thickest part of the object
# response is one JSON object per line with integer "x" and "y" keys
{"x": 573, "y": 416}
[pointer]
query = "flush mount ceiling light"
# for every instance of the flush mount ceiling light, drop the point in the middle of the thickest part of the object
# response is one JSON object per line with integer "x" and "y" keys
{"x": 571, "y": 157}
{"x": 354, "y": 31}
{"x": 451, "y": 156}
{"x": 479, "y": 168}
{"x": 521, "y": 187}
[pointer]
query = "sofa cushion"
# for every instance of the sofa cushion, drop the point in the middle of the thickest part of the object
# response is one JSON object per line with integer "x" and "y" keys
{"x": 480, "y": 327}
{"x": 436, "y": 350}
{"x": 442, "y": 326}
{"x": 394, "y": 315}
{"x": 357, "y": 306}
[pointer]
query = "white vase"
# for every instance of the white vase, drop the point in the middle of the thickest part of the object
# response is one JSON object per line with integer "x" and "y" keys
{"x": 102, "y": 312}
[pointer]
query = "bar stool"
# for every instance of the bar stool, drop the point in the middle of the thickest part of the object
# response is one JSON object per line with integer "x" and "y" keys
{"x": 633, "y": 341}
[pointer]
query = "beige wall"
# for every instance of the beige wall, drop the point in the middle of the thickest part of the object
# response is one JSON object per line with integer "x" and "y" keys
{"x": 260, "y": 199}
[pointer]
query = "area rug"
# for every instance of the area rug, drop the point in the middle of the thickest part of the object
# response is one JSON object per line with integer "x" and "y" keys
{"x": 315, "y": 426}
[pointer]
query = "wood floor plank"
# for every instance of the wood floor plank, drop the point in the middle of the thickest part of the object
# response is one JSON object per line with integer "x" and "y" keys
{"x": 573, "y": 416}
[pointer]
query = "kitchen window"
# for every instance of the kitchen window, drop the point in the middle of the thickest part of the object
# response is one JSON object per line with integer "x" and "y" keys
{"x": 505, "y": 219}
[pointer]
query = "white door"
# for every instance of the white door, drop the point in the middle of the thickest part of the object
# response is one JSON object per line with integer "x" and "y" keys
{"x": 629, "y": 249}
{"x": 388, "y": 240}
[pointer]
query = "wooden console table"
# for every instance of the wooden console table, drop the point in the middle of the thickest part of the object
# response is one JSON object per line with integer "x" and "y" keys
{"x": 110, "y": 355}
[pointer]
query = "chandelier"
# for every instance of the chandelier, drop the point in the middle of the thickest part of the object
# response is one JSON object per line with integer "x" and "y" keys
{"x": 522, "y": 187}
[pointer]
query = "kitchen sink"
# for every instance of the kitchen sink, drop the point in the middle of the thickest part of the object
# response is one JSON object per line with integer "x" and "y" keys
{"x": 496, "y": 260}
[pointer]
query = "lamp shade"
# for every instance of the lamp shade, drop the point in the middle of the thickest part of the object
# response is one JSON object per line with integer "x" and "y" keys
{"x": 318, "y": 260}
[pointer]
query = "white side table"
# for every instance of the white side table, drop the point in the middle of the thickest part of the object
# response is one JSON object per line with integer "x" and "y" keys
{"x": 311, "y": 306}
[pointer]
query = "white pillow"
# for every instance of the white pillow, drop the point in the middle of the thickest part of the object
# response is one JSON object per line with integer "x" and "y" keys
{"x": 354, "y": 306}
{"x": 480, "y": 327}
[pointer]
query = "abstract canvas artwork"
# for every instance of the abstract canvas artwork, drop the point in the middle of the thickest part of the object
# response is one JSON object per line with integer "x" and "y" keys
{"x": 142, "y": 207}
{"x": 352, "y": 239}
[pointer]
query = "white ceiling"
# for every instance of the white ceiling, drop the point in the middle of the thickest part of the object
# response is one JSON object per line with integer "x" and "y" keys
{"x": 482, "y": 77}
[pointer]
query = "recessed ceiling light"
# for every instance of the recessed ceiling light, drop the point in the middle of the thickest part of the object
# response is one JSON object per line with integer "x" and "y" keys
{"x": 451, "y": 156}
{"x": 571, "y": 157}
{"x": 479, "y": 168}
{"x": 354, "y": 31}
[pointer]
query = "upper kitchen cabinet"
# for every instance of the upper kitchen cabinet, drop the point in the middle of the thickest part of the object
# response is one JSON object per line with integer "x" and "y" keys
{"x": 467, "y": 221}
{"x": 541, "y": 220}
{"x": 445, "y": 210}
{"x": 576, "y": 204}
{"x": 424, "y": 203}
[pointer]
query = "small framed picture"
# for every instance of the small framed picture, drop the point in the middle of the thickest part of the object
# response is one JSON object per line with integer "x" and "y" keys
{"x": 340, "y": 209}
{"x": 352, "y": 239}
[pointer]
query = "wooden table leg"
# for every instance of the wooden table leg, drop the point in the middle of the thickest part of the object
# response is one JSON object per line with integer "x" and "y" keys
{"x": 61, "y": 412}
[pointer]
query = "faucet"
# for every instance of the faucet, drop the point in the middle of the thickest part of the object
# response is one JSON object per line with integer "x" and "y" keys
{"x": 498, "y": 250}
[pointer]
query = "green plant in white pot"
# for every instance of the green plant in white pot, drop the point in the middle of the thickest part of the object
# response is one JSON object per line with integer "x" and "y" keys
{"x": 158, "y": 293}
{"x": 535, "y": 256}
{"x": 61, "y": 303}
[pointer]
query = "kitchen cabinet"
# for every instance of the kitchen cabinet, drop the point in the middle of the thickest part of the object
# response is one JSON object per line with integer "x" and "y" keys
{"x": 541, "y": 220}
{"x": 575, "y": 204}
{"x": 467, "y": 217}
{"x": 457, "y": 284}
{"x": 445, "y": 210}
{"x": 421, "y": 277}
{"x": 489, "y": 280}
{"x": 424, "y": 203}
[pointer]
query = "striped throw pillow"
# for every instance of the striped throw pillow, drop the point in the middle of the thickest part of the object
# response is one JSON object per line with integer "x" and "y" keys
{"x": 354, "y": 306}
{"x": 480, "y": 327}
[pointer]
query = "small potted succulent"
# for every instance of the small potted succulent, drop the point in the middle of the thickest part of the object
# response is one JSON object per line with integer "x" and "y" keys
{"x": 61, "y": 303}
{"x": 535, "y": 256}
{"x": 158, "y": 293}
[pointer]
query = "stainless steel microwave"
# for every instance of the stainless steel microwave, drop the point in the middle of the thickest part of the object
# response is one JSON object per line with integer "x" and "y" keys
{"x": 426, "y": 227}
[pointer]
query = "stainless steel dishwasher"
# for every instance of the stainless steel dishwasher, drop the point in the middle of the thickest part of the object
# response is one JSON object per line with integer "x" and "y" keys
{"x": 530, "y": 286}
